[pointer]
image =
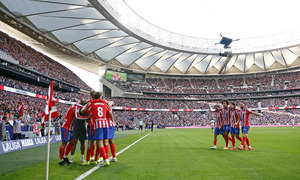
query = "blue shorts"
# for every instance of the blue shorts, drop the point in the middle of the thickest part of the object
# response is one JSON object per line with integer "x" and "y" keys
{"x": 235, "y": 131}
{"x": 101, "y": 133}
{"x": 219, "y": 131}
{"x": 66, "y": 135}
{"x": 226, "y": 127}
{"x": 91, "y": 134}
{"x": 245, "y": 129}
{"x": 111, "y": 132}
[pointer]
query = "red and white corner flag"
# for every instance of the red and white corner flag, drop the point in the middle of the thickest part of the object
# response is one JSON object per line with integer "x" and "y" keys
{"x": 50, "y": 106}
{"x": 50, "y": 112}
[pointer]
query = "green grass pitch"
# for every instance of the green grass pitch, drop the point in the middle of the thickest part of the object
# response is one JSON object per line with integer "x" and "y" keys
{"x": 180, "y": 154}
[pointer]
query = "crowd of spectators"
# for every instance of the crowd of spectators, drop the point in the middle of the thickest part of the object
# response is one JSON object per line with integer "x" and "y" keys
{"x": 215, "y": 85}
{"x": 37, "y": 61}
{"x": 68, "y": 96}
{"x": 32, "y": 108}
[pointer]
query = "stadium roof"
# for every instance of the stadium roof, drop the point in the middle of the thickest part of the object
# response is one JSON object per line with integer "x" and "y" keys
{"x": 109, "y": 32}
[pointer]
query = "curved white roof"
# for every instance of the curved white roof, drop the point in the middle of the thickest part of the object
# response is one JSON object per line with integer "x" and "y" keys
{"x": 98, "y": 30}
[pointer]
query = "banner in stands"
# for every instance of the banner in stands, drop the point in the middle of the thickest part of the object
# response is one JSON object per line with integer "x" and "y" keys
{"x": 197, "y": 110}
{"x": 18, "y": 91}
{"x": 16, "y": 145}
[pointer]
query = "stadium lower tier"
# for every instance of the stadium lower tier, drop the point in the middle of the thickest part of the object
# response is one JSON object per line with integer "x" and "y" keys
{"x": 11, "y": 104}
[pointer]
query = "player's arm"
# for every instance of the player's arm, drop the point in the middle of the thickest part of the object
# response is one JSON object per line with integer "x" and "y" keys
{"x": 238, "y": 120}
{"x": 257, "y": 114}
{"x": 110, "y": 115}
{"x": 83, "y": 110}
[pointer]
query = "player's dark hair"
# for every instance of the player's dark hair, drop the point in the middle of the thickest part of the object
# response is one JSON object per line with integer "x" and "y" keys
{"x": 233, "y": 103}
{"x": 4, "y": 118}
{"x": 97, "y": 95}
{"x": 225, "y": 100}
{"x": 92, "y": 92}
{"x": 243, "y": 103}
{"x": 82, "y": 102}
{"x": 217, "y": 105}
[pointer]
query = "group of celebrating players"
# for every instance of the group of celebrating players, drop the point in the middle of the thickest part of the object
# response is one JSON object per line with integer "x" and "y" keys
{"x": 228, "y": 120}
{"x": 101, "y": 127}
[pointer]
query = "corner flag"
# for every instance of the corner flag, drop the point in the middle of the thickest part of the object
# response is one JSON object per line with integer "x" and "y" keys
{"x": 50, "y": 106}
{"x": 50, "y": 112}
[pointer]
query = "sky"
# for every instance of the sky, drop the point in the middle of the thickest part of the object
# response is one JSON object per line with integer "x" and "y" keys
{"x": 208, "y": 18}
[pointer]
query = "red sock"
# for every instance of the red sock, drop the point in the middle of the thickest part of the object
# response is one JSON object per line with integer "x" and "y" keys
{"x": 233, "y": 141}
{"x": 68, "y": 149}
{"x": 61, "y": 152}
{"x": 113, "y": 149}
{"x": 106, "y": 150}
{"x": 215, "y": 142}
{"x": 247, "y": 141}
{"x": 103, "y": 153}
{"x": 244, "y": 140}
{"x": 88, "y": 154}
{"x": 229, "y": 138}
{"x": 240, "y": 139}
{"x": 97, "y": 153}
{"x": 93, "y": 149}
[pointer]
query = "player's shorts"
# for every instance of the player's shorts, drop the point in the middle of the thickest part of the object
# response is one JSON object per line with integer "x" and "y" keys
{"x": 226, "y": 127}
{"x": 245, "y": 129}
{"x": 235, "y": 131}
{"x": 91, "y": 134}
{"x": 219, "y": 131}
{"x": 212, "y": 126}
{"x": 141, "y": 126}
{"x": 79, "y": 130}
{"x": 101, "y": 133}
{"x": 111, "y": 132}
{"x": 66, "y": 135}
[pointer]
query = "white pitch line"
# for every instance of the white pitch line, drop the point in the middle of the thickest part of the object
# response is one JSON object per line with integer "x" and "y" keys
{"x": 84, "y": 175}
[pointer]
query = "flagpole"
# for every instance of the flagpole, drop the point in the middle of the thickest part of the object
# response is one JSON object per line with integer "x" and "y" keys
{"x": 48, "y": 147}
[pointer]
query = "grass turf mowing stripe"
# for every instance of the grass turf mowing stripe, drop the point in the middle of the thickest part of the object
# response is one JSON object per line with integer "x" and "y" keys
{"x": 84, "y": 175}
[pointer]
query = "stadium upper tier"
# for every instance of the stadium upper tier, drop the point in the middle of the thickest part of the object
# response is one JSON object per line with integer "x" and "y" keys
{"x": 194, "y": 85}
{"x": 108, "y": 32}
{"x": 36, "y": 61}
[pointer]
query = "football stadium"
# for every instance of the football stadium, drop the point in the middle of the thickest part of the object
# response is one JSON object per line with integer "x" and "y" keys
{"x": 125, "y": 89}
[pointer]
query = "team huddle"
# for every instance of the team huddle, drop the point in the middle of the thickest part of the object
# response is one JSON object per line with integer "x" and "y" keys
{"x": 228, "y": 120}
{"x": 98, "y": 113}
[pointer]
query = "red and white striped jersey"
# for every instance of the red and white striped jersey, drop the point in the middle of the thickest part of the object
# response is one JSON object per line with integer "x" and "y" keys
{"x": 234, "y": 114}
{"x": 219, "y": 119}
{"x": 226, "y": 115}
{"x": 244, "y": 113}
{"x": 72, "y": 113}
{"x": 98, "y": 109}
{"x": 90, "y": 122}
{"x": 77, "y": 112}
{"x": 110, "y": 122}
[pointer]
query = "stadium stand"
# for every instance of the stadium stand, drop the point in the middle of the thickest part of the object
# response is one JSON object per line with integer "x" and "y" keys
{"x": 36, "y": 61}
{"x": 282, "y": 81}
{"x": 10, "y": 102}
